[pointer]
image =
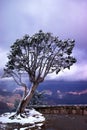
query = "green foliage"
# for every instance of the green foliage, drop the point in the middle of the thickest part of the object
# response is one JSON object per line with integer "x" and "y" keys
{"x": 38, "y": 98}
{"x": 16, "y": 103}
{"x": 39, "y": 55}
{"x": 35, "y": 57}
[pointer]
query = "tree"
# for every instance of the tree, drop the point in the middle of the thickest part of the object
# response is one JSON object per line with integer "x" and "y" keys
{"x": 35, "y": 57}
{"x": 37, "y": 98}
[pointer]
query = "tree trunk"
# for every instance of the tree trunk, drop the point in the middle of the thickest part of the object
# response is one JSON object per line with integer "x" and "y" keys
{"x": 23, "y": 104}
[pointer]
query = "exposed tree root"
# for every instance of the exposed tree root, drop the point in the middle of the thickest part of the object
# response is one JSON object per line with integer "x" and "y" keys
{"x": 13, "y": 116}
{"x": 23, "y": 115}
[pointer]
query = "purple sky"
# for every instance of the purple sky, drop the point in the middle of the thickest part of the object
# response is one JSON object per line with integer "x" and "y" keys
{"x": 64, "y": 18}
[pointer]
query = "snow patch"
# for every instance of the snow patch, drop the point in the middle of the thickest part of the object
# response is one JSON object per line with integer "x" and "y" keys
{"x": 32, "y": 117}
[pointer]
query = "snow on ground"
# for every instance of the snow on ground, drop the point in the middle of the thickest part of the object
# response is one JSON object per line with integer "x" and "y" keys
{"x": 33, "y": 117}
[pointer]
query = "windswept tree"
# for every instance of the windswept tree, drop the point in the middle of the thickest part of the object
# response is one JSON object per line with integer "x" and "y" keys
{"x": 35, "y": 57}
{"x": 38, "y": 98}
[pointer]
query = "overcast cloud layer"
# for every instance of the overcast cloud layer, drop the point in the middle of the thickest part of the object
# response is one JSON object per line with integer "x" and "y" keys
{"x": 64, "y": 18}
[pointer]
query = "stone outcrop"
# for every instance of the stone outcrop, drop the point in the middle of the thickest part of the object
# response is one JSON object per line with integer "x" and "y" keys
{"x": 74, "y": 109}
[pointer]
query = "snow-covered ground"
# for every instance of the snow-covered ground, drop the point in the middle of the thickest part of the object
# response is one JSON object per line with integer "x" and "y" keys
{"x": 32, "y": 117}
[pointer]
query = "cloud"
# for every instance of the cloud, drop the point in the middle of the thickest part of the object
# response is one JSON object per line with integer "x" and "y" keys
{"x": 77, "y": 93}
{"x": 3, "y": 57}
{"x": 60, "y": 94}
{"x": 48, "y": 92}
{"x": 65, "y": 18}
{"x": 58, "y": 16}
{"x": 19, "y": 89}
{"x": 77, "y": 72}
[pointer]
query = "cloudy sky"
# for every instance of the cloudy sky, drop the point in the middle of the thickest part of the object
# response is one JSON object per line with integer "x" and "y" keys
{"x": 64, "y": 18}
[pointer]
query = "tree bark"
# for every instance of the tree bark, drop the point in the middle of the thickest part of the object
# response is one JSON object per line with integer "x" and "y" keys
{"x": 23, "y": 104}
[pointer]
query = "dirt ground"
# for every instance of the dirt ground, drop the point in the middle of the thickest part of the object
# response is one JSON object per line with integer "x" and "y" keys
{"x": 65, "y": 122}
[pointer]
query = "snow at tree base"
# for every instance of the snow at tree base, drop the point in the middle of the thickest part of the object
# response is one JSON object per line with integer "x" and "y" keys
{"x": 32, "y": 118}
{"x": 35, "y": 57}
